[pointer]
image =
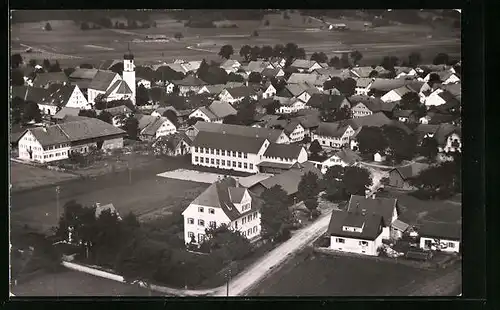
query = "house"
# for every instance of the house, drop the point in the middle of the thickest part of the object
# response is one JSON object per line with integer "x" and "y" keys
{"x": 102, "y": 81}
{"x": 119, "y": 114}
{"x": 445, "y": 237}
{"x": 144, "y": 82}
{"x": 405, "y": 116}
{"x": 237, "y": 94}
{"x": 405, "y": 72}
{"x": 379, "y": 157}
{"x": 344, "y": 157}
{"x": 362, "y": 72}
{"x": 366, "y": 105}
{"x": 231, "y": 66}
{"x": 82, "y": 77}
{"x": 333, "y": 135}
{"x": 448, "y": 138}
{"x": 363, "y": 86}
{"x": 278, "y": 62}
{"x": 215, "y": 112}
{"x": 333, "y": 72}
{"x": 276, "y": 73}
{"x": 269, "y": 91}
{"x": 400, "y": 177}
{"x": 151, "y": 127}
{"x": 331, "y": 101}
{"x": 64, "y": 112}
{"x": 189, "y": 84}
{"x": 281, "y": 157}
{"x": 311, "y": 80}
{"x": 293, "y": 129}
{"x": 303, "y": 65}
{"x": 380, "y": 87}
{"x": 386, "y": 207}
{"x": 378, "y": 119}
{"x": 356, "y": 232}
{"x": 288, "y": 180}
{"x": 63, "y": 96}
{"x": 398, "y": 93}
{"x": 273, "y": 135}
{"x": 28, "y": 93}
{"x": 109, "y": 207}
{"x": 45, "y": 79}
{"x": 213, "y": 90}
{"x": 56, "y": 142}
{"x": 446, "y": 77}
{"x": 290, "y": 105}
{"x": 178, "y": 144}
{"x": 224, "y": 202}
{"x": 441, "y": 97}
{"x": 257, "y": 66}
{"x": 310, "y": 122}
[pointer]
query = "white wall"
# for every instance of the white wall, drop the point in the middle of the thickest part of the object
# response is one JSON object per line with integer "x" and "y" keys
{"x": 434, "y": 99}
{"x": 192, "y": 212}
{"x": 360, "y": 110}
{"x": 391, "y": 96}
{"x": 297, "y": 134}
{"x": 201, "y": 115}
{"x": 166, "y": 128}
{"x": 451, "y": 246}
{"x": 448, "y": 147}
{"x": 47, "y": 109}
{"x": 78, "y": 100}
{"x": 353, "y": 245}
{"x": 253, "y": 159}
{"x": 52, "y": 153}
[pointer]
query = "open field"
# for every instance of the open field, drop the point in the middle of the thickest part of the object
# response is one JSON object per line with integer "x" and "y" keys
{"x": 25, "y": 176}
{"x": 66, "y": 39}
{"x": 320, "y": 275}
{"x": 74, "y": 283}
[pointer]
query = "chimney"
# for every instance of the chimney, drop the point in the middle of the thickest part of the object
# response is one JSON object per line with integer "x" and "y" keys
{"x": 97, "y": 205}
{"x": 363, "y": 212}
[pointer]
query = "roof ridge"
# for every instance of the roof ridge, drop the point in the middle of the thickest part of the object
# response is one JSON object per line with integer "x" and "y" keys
{"x": 67, "y": 136}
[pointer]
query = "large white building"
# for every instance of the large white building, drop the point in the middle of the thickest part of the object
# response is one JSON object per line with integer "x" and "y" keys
{"x": 223, "y": 202}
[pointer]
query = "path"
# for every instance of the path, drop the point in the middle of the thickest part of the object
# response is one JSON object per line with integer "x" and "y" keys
{"x": 50, "y": 54}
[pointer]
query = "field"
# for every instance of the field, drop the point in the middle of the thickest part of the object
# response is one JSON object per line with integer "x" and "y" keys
{"x": 25, "y": 176}
{"x": 72, "y": 46}
{"x": 319, "y": 275}
{"x": 74, "y": 283}
{"x": 148, "y": 196}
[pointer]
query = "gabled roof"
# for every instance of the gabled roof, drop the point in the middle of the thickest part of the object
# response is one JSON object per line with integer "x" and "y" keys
{"x": 59, "y": 95}
{"x": 381, "y": 206}
{"x": 65, "y": 111}
{"x": 317, "y": 100}
{"x": 373, "y": 104}
{"x": 348, "y": 156}
{"x": 226, "y": 141}
{"x": 331, "y": 72}
{"x": 400, "y": 70}
{"x": 242, "y": 91}
{"x": 222, "y": 109}
{"x": 119, "y": 87}
{"x": 336, "y": 129}
{"x": 363, "y": 72}
{"x": 82, "y": 73}
{"x": 175, "y": 139}
{"x": 444, "y": 131}
{"x": 403, "y": 113}
{"x": 371, "y": 225}
{"x": 454, "y": 89}
{"x": 448, "y": 97}
{"x": 177, "y": 67}
{"x": 148, "y": 125}
{"x": 257, "y": 66}
{"x": 72, "y": 131}
{"x": 28, "y": 93}
{"x": 215, "y": 89}
{"x": 375, "y": 120}
{"x": 190, "y": 80}
{"x": 296, "y": 89}
{"x": 120, "y": 110}
{"x": 45, "y": 78}
{"x": 230, "y": 63}
{"x": 283, "y": 150}
{"x": 387, "y": 85}
{"x": 411, "y": 170}
{"x": 238, "y": 130}
{"x": 100, "y": 208}
{"x": 270, "y": 72}
{"x": 102, "y": 80}
{"x": 311, "y": 79}
{"x": 308, "y": 121}
{"x": 289, "y": 180}
{"x": 448, "y": 231}
{"x": 303, "y": 63}
{"x": 427, "y": 128}
{"x": 106, "y": 64}
{"x": 363, "y": 82}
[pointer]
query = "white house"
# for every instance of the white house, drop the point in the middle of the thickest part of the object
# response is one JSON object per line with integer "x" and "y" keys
{"x": 356, "y": 232}
{"x": 290, "y": 105}
{"x": 60, "y": 96}
{"x": 445, "y": 237}
{"x": 303, "y": 65}
{"x": 446, "y": 77}
{"x": 177, "y": 144}
{"x": 223, "y": 202}
{"x": 363, "y": 86}
{"x": 237, "y": 94}
{"x": 333, "y": 135}
{"x": 231, "y": 66}
{"x": 281, "y": 157}
{"x": 152, "y": 127}
{"x": 56, "y": 142}
{"x": 344, "y": 157}
{"x": 269, "y": 91}
{"x": 215, "y": 112}
{"x": 448, "y": 138}
{"x": 396, "y": 94}
{"x": 379, "y": 157}
{"x": 140, "y": 81}
{"x": 360, "y": 109}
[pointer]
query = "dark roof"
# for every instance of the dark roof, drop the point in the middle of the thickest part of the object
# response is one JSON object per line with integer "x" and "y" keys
{"x": 371, "y": 225}
{"x": 224, "y": 194}
{"x": 450, "y": 231}
{"x": 102, "y": 80}
{"x": 221, "y": 109}
{"x": 440, "y": 118}
{"x": 239, "y": 130}
{"x": 403, "y": 113}
{"x": 317, "y": 100}
{"x": 275, "y": 165}
{"x": 335, "y": 129}
{"x": 411, "y": 171}
{"x": 106, "y": 64}
{"x": 82, "y": 73}
{"x": 309, "y": 121}
{"x": 270, "y": 72}
{"x": 73, "y": 131}
{"x": 381, "y": 206}
{"x": 175, "y": 139}
{"x": 443, "y": 131}
{"x": 190, "y": 80}
{"x": 229, "y": 142}
{"x": 375, "y": 120}
{"x": 289, "y": 180}
{"x": 373, "y": 104}
{"x": 148, "y": 125}
{"x": 59, "y": 95}
{"x": 27, "y": 93}
{"x": 123, "y": 109}
{"x": 242, "y": 91}
{"x": 65, "y": 111}
{"x": 283, "y": 150}
{"x": 449, "y": 97}
{"x": 43, "y": 79}
{"x": 387, "y": 84}
{"x": 120, "y": 87}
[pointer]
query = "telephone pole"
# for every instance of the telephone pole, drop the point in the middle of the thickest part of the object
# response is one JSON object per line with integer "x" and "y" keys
{"x": 228, "y": 279}
{"x": 58, "y": 190}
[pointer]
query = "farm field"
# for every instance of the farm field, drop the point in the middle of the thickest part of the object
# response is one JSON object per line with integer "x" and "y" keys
{"x": 73, "y": 283}
{"x": 25, "y": 176}
{"x": 66, "y": 40}
{"x": 320, "y": 275}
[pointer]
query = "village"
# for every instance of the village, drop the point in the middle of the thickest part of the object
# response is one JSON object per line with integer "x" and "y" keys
{"x": 279, "y": 152}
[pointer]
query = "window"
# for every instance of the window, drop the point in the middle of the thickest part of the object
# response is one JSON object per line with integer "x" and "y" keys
{"x": 212, "y": 161}
{"x": 451, "y": 244}
{"x": 363, "y": 243}
{"x": 255, "y": 215}
{"x": 190, "y": 220}
{"x": 196, "y": 159}
{"x": 217, "y": 152}
{"x": 340, "y": 240}
{"x": 255, "y": 229}
{"x": 251, "y": 166}
{"x": 249, "y": 231}
{"x": 217, "y": 162}
{"x": 245, "y": 155}
{"x": 249, "y": 218}
{"x": 211, "y": 211}
{"x": 212, "y": 151}
{"x": 196, "y": 149}
{"x": 201, "y": 222}
{"x": 234, "y": 164}
{"x": 200, "y": 209}
{"x": 244, "y": 234}
{"x": 223, "y": 152}
{"x": 245, "y": 165}
{"x": 212, "y": 224}
{"x": 243, "y": 221}
{"x": 239, "y": 154}
{"x": 223, "y": 162}
{"x": 201, "y": 238}
{"x": 190, "y": 234}
{"x": 239, "y": 164}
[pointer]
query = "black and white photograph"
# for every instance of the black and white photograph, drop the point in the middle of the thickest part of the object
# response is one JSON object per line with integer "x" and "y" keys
{"x": 231, "y": 153}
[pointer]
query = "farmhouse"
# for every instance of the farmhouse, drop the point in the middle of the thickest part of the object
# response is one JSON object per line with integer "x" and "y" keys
{"x": 151, "y": 127}
{"x": 63, "y": 96}
{"x": 64, "y": 112}
{"x": 223, "y": 202}
{"x": 303, "y": 65}
{"x": 45, "y": 79}
{"x": 312, "y": 80}
{"x": 281, "y": 157}
{"x": 445, "y": 237}
{"x": 273, "y": 73}
{"x": 398, "y": 93}
{"x": 215, "y": 112}
{"x": 177, "y": 144}
{"x": 237, "y": 94}
{"x": 257, "y": 66}
{"x": 293, "y": 129}
{"x": 56, "y": 142}
{"x": 344, "y": 157}
{"x": 189, "y": 84}
{"x": 290, "y": 105}
{"x": 400, "y": 177}
{"x": 269, "y": 91}
{"x": 119, "y": 114}
{"x": 333, "y": 135}
{"x": 82, "y": 77}
{"x": 366, "y": 105}
{"x": 363, "y": 86}
{"x": 231, "y": 66}
{"x": 356, "y": 232}
{"x": 405, "y": 72}
{"x": 441, "y": 97}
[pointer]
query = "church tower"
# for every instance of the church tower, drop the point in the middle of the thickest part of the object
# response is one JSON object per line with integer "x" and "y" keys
{"x": 129, "y": 72}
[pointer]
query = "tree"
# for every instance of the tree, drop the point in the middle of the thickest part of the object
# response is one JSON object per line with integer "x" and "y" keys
{"x": 246, "y": 112}
{"x": 16, "y": 109}
{"x": 255, "y": 77}
{"x": 373, "y": 74}
{"x": 266, "y": 52}
{"x": 312, "y": 205}
{"x": 438, "y": 181}
{"x": 226, "y": 243}
{"x": 285, "y": 15}
{"x": 105, "y": 116}
{"x": 278, "y": 50}
{"x": 193, "y": 120}
{"x": 301, "y": 53}
{"x": 343, "y": 114}
{"x": 131, "y": 221}
{"x": 68, "y": 71}
{"x": 441, "y": 59}
{"x": 233, "y": 77}
{"x": 344, "y": 61}
{"x": 141, "y": 95}
{"x": 290, "y": 50}
{"x": 88, "y": 113}
{"x": 76, "y": 223}
{"x": 16, "y": 60}
{"x": 178, "y": 35}
{"x": 16, "y": 78}
{"x": 410, "y": 101}
{"x": 315, "y": 148}
{"x": 356, "y": 56}
{"x": 226, "y": 51}
{"x": 255, "y": 53}
{"x": 401, "y": 146}
{"x": 371, "y": 140}
{"x": 117, "y": 68}
{"x": 84, "y": 26}
{"x": 55, "y": 67}
{"x": 429, "y": 148}
{"x": 31, "y": 112}
{"x": 46, "y": 64}
{"x": 319, "y": 57}
{"x": 334, "y": 62}
{"x": 255, "y": 33}
{"x": 275, "y": 214}
{"x": 388, "y": 62}
{"x": 272, "y": 107}
{"x": 47, "y": 27}
{"x": 86, "y": 66}
{"x": 348, "y": 87}
{"x": 414, "y": 59}
{"x": 245, "y": 51}
{"x": 165, "y": 73}
{"x": 132, "y": 127}
{"x": 332, "y": 183}
{"x": 32, "y": 63}
{"x": 308, "y": 190}
{"x": 356, "y": 180}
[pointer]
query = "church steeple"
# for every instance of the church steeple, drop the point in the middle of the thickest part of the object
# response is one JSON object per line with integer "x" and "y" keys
{"x": 129, "y": 71}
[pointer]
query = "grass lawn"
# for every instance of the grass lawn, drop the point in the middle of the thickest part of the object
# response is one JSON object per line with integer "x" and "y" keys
{"x": 25, "y": 176}
{"x": 319, "y": 275}
{"x": 74, "y": 283}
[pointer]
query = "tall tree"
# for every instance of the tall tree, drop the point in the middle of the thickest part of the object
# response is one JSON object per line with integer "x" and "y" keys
{"x": 16, "y": 109}
{"x": 373, "y": 74}
{"x": 311, "y": 205}
{"x": 255, "y": 53}
{"x": 356, "y": 56}
{"x": 441, "y": 59}
{"x": 46, "y": 64}
{"x": 272, "y": 107}
{"x": 315, "y": 148}
{"x": 132, "y": 127}
{"x": 245, "y": 51}
{"x": 266, "y": 52}
{"x": 47, "y": 27}
{"x": 117, "y": 68}
{"x": 55, "y": 67}
{"x": 410, "y": 101}
{"x": 309, "y": 188}
{"x": 254, "y": 77}
{"x": 278, "y": 50}
{"x": 319, "y": 57}
{"x": 31, "y": 112}
{"x": 32, "y": 63}
{"x": 227, "y": 243}
{"x": 371, "y": 140}
{"x": 356, "y": 180}
{"x": 226, "y": 51}
{"x": 16, "y": 60}
{"x": 348, "y": 87}
{"x": 275, "y": 214}
{"x": 401, "y": 146}
{"x": 334, "y": 62}
{"x": 141, "y": 95}
{"x": 414, "y": 59}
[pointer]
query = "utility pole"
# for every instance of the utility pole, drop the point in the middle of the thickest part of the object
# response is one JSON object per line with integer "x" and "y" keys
{"x": 228, "y": 279}
{"x": 58, "y": 190}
